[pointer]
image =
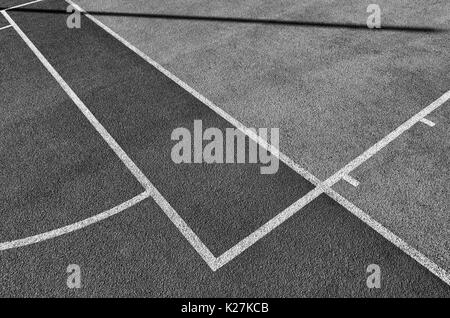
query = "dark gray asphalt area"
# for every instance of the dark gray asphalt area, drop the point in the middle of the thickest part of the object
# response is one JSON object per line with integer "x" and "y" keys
{"x": 333, "y": 92}
{"x": 55, "y": 168}
{"x": 3, "y": 22}
{"x": 322, "y": 251}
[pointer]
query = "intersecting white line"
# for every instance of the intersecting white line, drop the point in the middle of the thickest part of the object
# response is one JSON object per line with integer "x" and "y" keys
{"x": 249, "y": 132}
{"x": 5, "y": 27}
{"x": 321, "y": 187}
{"x": 366, "y": 155}
{"x": 325, "y": 187}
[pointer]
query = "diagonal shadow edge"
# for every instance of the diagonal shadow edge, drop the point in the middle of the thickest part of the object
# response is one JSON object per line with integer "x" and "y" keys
{"x": 318, "y": 24}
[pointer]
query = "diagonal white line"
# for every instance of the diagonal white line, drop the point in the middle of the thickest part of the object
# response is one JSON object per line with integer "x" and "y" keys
{"x": 369, "y": 153}
{"x": 251, "y": 134}
{"x": 391, "y": 237}
{"x": 87, "y": 113}
{"x": 5, "y": 27}
{"x": 267, "y": 227}
{"x": 192, "y": 238}
{"x": 321, "y": 187}
{"x": 326, "y": 187}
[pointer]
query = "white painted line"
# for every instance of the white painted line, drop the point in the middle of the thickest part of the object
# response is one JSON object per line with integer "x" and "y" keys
{"x": 75, "y": 226}
{"x": 214, "y": 263}
{"x": 150, "y": 188}
{"x": 428, "y": 122}
{"x": 369, "y": 153}
{"x": 294, "y": 208}
{"x": 187, "y": 232}
{"x": 321, "y": 186}
{"x": 326, "y": 187}
{"x": 351, "y": 180}
{"x": 391, "y": 237}
{"x": 267, "y": 227}
{"x": 5, "y": 27}
{"x": 22, "y": 5}
{"x": 251, "y": 134}
{"x": 176, "y": 219}
{"x": 87, "y": 113}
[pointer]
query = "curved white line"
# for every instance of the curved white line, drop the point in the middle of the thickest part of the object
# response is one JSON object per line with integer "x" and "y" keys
{"x": 75, "y": 226}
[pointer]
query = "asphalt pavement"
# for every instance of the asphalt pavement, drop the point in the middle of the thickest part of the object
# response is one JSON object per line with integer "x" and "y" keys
{"x": 57, "y": 170}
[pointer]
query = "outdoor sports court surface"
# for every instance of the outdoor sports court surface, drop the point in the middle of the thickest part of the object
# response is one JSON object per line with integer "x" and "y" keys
{"x": 86, "y": 175}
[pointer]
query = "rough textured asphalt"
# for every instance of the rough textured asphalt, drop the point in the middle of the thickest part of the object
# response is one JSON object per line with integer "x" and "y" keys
{"x": 56, "y": 169}
{"x": 321, "y": 251}
{"x": 332, "y": 92}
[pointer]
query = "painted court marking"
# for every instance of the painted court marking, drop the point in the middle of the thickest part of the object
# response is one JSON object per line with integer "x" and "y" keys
{"x": 391, "y": 237}
{"x": 5, "y": 27}
{"x": 325, "y": 187}
{"x": 428, "y": 122}
{"x": 150, "y": 189}
{"x": 250, "y": 133}
{"x": 75, "y": 226}
{"x": 321, "y": 187}
{"x": 351, "y": 180}
{"x": 87, "y": 113}
{"x": 386, "y": 140}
